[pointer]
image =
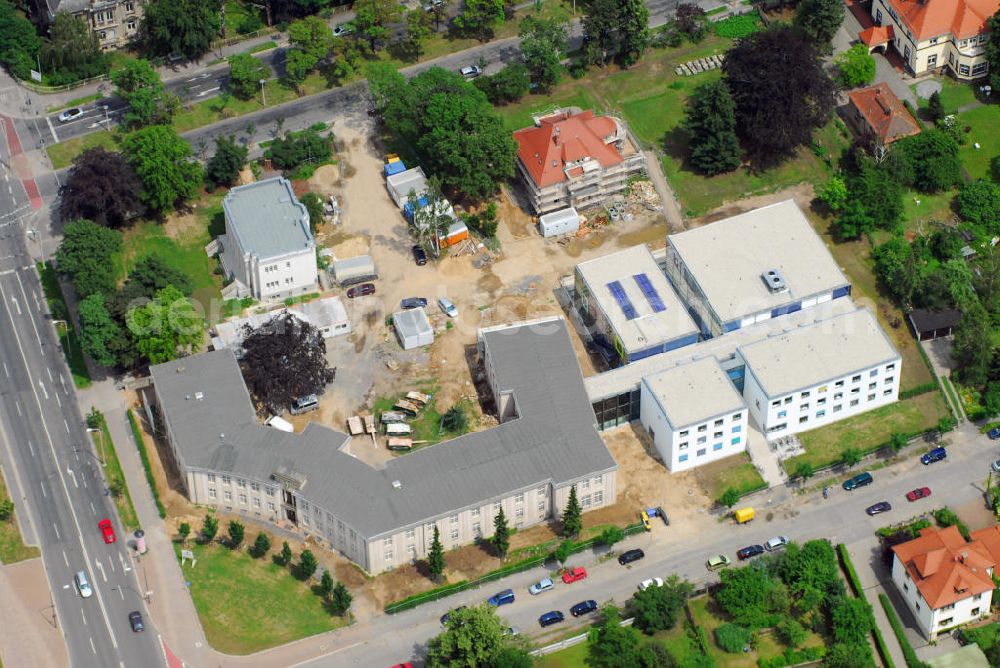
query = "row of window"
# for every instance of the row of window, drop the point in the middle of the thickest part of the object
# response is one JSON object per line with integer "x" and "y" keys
{"x": 736, "y": 429}
{"x": 718, "y": 423}
{"x": 822, "y": 389}
{"x": 803, "y": 419}
{"x": 227, "y": 480}
{"x": 274, "y": 267}
{"x": 703, "y": 451}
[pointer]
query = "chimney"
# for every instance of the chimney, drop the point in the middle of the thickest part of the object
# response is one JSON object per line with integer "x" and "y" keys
{"x": 555, "y": 136}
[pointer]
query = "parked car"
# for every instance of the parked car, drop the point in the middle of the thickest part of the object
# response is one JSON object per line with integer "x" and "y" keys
{"x": 107, "y": 531}
{"x": 470, "y": 71}
{"x": 361, "y": 290}
{"x": 70, "y": 114}
{"x": 413, "y": 302}
{"x": 630, "y": 556}
{"x": 749, "y": 551}
{"x": 994, "y": 433}
{"x": 502, "y": 598}
{"x": 651, "y": 582}
{"x": 135, "y": 621}
{"x": 403, "y": 665}
{"x": 550, "y": 618}
{"x": 574, "y": 574}
{"x": 431, "y": 5}
{"x": 776, "y": 543}
{"x": 545, "y": 584}
{"x": 447, "y": 307}
{"x": 446, "y": 616}
{"x": 996, "y": 466}
{"x": 935, "y": 455}
{"x": 919, "y": 493}
{"x": 304, "y": 404}
{"x": 583, "y": 608}
{"x": 343, "y": 29}
{"x": 83, "y": 584}
{"x": 860, "y": 480}
{"x": 419, "y": 255}
{"x": 717, "y": 562}
{"x": 878, "y": 508}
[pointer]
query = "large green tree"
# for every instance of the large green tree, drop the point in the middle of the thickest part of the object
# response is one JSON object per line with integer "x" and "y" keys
{"x": 435, "y": 556}
{"x": 72, "y": 50}
{"x": 186, "y": 27}
{"x": 745, "y": 594}
{"x": 855, "y": 67}
{"x": 616, "y": 30}
{"x": 245, "y": 74}
{"x": 658, "y": 608}
{"x": 83, "y": 256}
{"x": 874, "y": 201}
{"x": 98, "y": 330}
{"x": 311, "y": 40}
{"x": 543, "y": 46}
{"x": 473, "y": 638}
{"x": 612, "y": 645}
{"x": 973, "y": 346}
{"x": 139, "y": 85}
{"x": 852, "y": 620}
{"x": 932, "y": 157}
{"x": 166, "y": 326}
{"x": 373, "y": 19}
{"x": 340, "y": 599}
{"x": 993, "y": 50}
{"x": 102, "y": 187}
{"x": 501, "y": 534}
{"x": 480, "y": 18}
{"x": 710, "y": 122}
{"x": 19, "y": 43}
{"x": 979, "y": 203}
{"x": 224, "y": 167}
{"x": 163, "y": 162}
{"x": 820, "y": 19}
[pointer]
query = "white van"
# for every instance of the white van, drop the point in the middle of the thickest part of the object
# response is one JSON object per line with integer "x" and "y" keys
{"x": 83, "y": 584}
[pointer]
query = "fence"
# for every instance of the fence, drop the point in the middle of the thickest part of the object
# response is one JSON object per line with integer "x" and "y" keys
{"x": 570, "y": 642}
{"x": 40, "y": 88}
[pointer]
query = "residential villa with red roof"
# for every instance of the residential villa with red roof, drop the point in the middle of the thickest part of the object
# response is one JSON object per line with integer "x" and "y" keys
{"x": 575, "y": 159}
{"x": 946, "y": 580}
{"x": 878, "y": 114}
{"x": 934, "y": 34}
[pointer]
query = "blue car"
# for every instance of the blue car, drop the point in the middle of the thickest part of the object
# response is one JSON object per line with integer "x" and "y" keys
{"x": 583, "y": 608}
{"x": 502, "y": 598}
{"x": 935, "y": 455}
{"x": 994, "y": 433}
{"x": 550, "y": 618}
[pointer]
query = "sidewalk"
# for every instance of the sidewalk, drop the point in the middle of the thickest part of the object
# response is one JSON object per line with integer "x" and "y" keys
{"x": 29, "y": 633}
{"x": 863, "y": 553}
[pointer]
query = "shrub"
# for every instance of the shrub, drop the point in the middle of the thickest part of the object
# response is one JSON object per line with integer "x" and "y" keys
{"x": 912, "y": 661}
{"x": 737, "y": 27}
{"x": 733, "y": 638}
{"x": 946, "y": 517}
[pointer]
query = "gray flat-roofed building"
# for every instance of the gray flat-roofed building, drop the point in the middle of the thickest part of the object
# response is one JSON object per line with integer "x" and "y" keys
{"x": 761, "y": 264}
{"x": 634, "y": 309}
{"x": 413, "y": 328}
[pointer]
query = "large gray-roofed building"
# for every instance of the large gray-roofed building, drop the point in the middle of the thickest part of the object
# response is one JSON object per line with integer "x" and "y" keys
{"x": 269, "y": 218}
{"x": 694, "y": 392}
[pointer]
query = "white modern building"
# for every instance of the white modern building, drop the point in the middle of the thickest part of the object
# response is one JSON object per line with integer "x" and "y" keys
{"x": 327, "y": 315}
{"x": 758, "y": 265}
{"x": 268, "y": 251}
{"x": 630, "y": 307}
{"x": 693, "y": 414}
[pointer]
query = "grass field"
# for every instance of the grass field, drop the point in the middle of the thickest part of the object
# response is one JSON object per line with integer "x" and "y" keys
{"x": 571, "y": 657}
{"x": 736, "y": 472}
{"x": 68, "y": 339}
{"x": 12, "y": 547}
{"x": 982, "y": 162}
{"x": 676, "y": 640}
{"x": 826, "y": 445}
{"x": 921, "y": 208}
{"x": 62, "y": 154}
{"x": 76, "y": 102}
{"x": 954, "y": 94}
{"x": 247, "y": 605}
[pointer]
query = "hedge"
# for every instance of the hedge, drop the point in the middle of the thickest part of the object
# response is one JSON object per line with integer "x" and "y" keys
{"x": 139, "y": 443}
{"x": 912, "y": 661}
{"x": 855, "y": 582}
{"x": 918, "y": 390}
{"x": 795, "y": 657}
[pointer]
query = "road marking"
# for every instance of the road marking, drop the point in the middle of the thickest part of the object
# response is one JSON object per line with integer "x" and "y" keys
{"x": 41, "y": 483}
{"x": 46, "y": 392}
{"x": 65, "y": 424}
{"x": 65, "y": 558}
{"x": 62, "y": 381}
{"x": 59, "y": 401}
{"x": 94, "y": 649}
{"x": 73, "y": 476}
{"x": 17, "y": 305}
{"x": 57, "y": 531}
{"x": 100, "y": 567}
{"x": 50, "y": 374}
{"x": 207, "y": 91}
{"x": 92, "y": 509}
{"x": 339, "y": 649}
{"x": 121, "y": 592}
{"x": 122, "y": 560}
{"x": 6, "y": 370}
{"x": 52, "y": 129}
{"x": 84, "y": 617}
{"x": 17, "y": 405}
{"x": 32, "y": 448}
{"x": 111, "y": 563}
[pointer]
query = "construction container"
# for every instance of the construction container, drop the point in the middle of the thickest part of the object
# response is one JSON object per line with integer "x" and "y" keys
{"x": 743, "y": 515}
{"x": 564, "y": 221}
{"x": 398, "y": 429}
{"x": 392, "y": 416}
{"x": 399, "y": 443}
{"x": 354, "y": 270}
{"x": 457, "y": 233}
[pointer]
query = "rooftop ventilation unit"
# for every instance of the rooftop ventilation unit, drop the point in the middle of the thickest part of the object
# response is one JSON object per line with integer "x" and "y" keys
{"x": 774, "y": 281}
{"x": 396, "y": 484}
{"x": 199, "y": 396}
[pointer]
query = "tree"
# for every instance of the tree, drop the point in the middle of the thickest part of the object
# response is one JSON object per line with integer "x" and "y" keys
{"x": 418, "y": 29}
{"x": 326, "y": 583}
{"x": 844, "y": 655}
{"x": 791, "y": 632}
{"x": 933, "y": 157}
{"x": 163, "y": 163}
{"x": 506, "y": 86}
{"x": 435, "y": 557}
{"x": 455, "y": 420}
{"x": 850, "y": 456}
{"x": 572, "y": 518}
{"x": 384, "y": 82}
{"x": 473, "y": 637}
{"x": 373, "y": 18}
{"x": 73, "y": 51}
{"x": 151, "y": 274}
{"x": 979, "y": 203}
{"x": 245, "y": 74}
{"x": 611, "y": 535}
{"x": 98, "y": 330}
{"x": 307, "y": 565}
{"x": 295, "y": 148}
{"x": 513, "y": 656}
{"x": 430, "y": 215}
{"x": 138, "y": 84}
{"x": 851, "y": 619}
{"x": 804, "y": 470}
{"x": 733, "y": 638}
{"x": 855, "y": 67}
{"x": 692, "y": 21}
{"x": 340, "y": 600}
{"x": 83, "y": 256}
{"x": 285, "y": 556}
{"x": 102, "y": 187}
{"x": 833, "y": 193}
{"x": 19, "y": 42}
{"x": 480, "y": 18}
{"x": 236, "y": 532}
{"x": 658, "y": 608}
{"x": 875, "y": 201}
{"x": 935, "y": 109}
{"x": 262, "y": 545}
{"x": 612, "y": 645}
{"x": 992, "y": 49}
{"x": 314, "y": 206}
{"x": 501, "y": 535}
{"x": 283, "y": 359}
{"x": 543, "y": 47}
{"x": 209, "y": 528}
{"x": 616, "y": 30}
{"x": 225, "y": 166}
{"x": 744, "y": 595}
{"x": 563, "y": 551}
{"x": 186, "y": 27}
{"x": 710, "y": 123}
{"x": 972, "y": 348}
{"x": 184, "y": 530}
{"x": 311, "y": 40}
{"x": 820, "y": 20}
{"x": 813, "y": 566}
{"x": 166, "y": 326}
{"x": 730, "y": 497}
{"x": 781, "y": 92}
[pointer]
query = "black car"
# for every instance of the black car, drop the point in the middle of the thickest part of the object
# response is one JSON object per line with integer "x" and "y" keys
{"x": 749, "y": 551}
{"x": 135, "y": 621}
{"x": 583, "y": 608}
{"x": 550, "y": 618}
{"x": 446, "y": 616}
{"x": 361, "y": 290}
{"x": 419, "y": 256}
{"x": 630, "y": 556}
{"x": 413, "y": 302}
{"x": 880, "y": 507}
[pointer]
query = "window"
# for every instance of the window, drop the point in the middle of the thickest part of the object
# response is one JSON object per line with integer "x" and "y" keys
{"x": 717, "y": 446}
{"x": 228, "y": 495}
{"x": 540, "y": 491}
{"x": 963, "y": 70}
{"x": 411, "y": 533}
{"x": 788, "y": 400}
{"x": 702, "y": 439}
{"x": 682, "y": 458}
{"x": 964, "y": 42}
{"x": 387, "y": 555}
{"x": 703, "y": 427}
{"x": 980, "y": 68}
{"x": 718, "y": 423}
{"x": 820, "y": 414}
{"x": 241, "y": 483}
{"x": 599, "y": 480}
{"x": 734, "y": 441}
{"x": 269, "y": 491}
{"x": 477, "y": 530}
{"x": 243, "y": 499}
{"x": 255, "y": 486}
{"x": 519, "y": 512}
{"x": 822, "y": 388}
{"x": 683, "y": 446}
{"x": 838, "y": 396}
{"x": 804, "y": 418}
{"x": 886, "y": 392}
{"x": 211, "y": 477}
{"x": 270, "y": 506}
{"x": 856, "y": 379}
{"x": 256, "y": 502}
{"x": 701, "y": 453}
{"x": 932, "y": 60}
{"x": 211, "y": 492}
{"x": 890, "y": 367}
{"x": 821, "y": 401}
{"x": 453, "y": 519}
{"x": 856, "y": 390}
{"x": 838, "y": 408}
{"x": 782, "y": 414}
{"x": 129, "y": 6}
{"x": 974, "y": 612}
{"x": 737, "y": 429}
{"x": 839, "y": 383}
{"x": 737, "y": 416}
{"x": 387, "y": 542}
{"x": 496, "y": 505}
{"x": 803, "y": 408}
{"x": 889, "y": 379}
{"x": 541, "y": 506}
{"x": 804, "y": 395}
{"x": 871, "y": 386}
{"x": 684, "y": 433}
{"x": 454, "y": 534}
{"x": 585, "y": 501}
{"x": 873, "y": 373}
{"x": 474, "y": 512}
{"x": 934, "y": 40}
{"x": 411, "y": 551}
{"x": 598, "y": 498}
{"x": 340, "y": 526}
{"x": 226, "y": 480}
{"x": 717, "y": 434}
{"x": 871, "y": 397}
{"x": 854, "y": 402}
{"x": 775, "y": 404}
{"x": 585, "y": 484}
{"x": 303, "y": 504}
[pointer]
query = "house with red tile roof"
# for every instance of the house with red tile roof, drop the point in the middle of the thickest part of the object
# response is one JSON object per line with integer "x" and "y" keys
{"x": 934, "y": 34}
{"x": 575, "y": 159}
{"x": 877, "y": 113}
{"x": 946, "y": 580}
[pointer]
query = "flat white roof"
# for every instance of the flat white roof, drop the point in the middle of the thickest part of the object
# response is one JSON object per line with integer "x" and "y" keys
{"x": 694, "y": 392}
{"x": 640, "y": 321}
{"x": 728, "y": 258}
{"x": 808, "y": 356}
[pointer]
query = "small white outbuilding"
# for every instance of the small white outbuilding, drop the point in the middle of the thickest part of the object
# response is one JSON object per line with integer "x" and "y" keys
{"x": 413, "y": 328}
{"x": 559, "y": 222}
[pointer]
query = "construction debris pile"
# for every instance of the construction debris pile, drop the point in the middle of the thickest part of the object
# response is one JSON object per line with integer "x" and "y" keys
{"x": 643, "y": 193}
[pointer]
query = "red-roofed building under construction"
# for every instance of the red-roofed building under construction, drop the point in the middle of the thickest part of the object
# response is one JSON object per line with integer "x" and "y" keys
{"x": 575, "y": 159}
{"x": 934, "y": 34}
{"x": 946, "y": 580}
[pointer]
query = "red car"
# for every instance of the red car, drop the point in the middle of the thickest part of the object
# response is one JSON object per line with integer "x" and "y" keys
{"x": 107, "y": 531}
{"x": 920, "y": 493}
{"x": 574, "y": 574}
{"x": 403, "y": 665}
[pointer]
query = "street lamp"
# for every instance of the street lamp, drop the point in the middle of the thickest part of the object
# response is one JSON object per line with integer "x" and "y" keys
{"x": 121, "y": 591}
{"x": 263, "y": 95}
{"x": 100, "y": 441}
{"x": 69, "y": 342}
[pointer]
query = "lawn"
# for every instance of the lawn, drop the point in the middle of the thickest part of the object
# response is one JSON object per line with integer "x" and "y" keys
{"x": 954, "y": 94}
{"x": 247, "y": 605}
{"x": 982, "y": 162}
{"x": 869, "y": 430}
{"x": 676, "y": 640}
{"x": 62, "y": 154}
{"x": 679, "y": 642}
{"x": 921, "y": 208}
{"x": 571, "y": 657}
{"x": 12, "y": 547}
{"x": 68, "y": 340}
{"x": 105, "y": 448}
{"x": 737, "y": 472}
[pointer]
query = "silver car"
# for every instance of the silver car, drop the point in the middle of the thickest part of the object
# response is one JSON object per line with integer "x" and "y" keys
{"x": 447, "y": 307}
{"x": 470, "y": 71}
{"x": 70, "y": 114}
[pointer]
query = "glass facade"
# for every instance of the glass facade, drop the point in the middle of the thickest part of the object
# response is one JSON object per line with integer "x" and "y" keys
{"x": 617, "y": 410}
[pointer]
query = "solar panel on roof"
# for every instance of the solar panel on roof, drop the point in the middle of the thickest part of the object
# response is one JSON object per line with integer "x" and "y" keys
{"x": 619, "y": 293}
{"x": 651, "y": 294}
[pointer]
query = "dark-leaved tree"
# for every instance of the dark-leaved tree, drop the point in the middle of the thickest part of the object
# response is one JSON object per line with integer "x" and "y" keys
{"x": 163, "y": 162}
{"x": 224, "y": 167}
{"x": 572, "y": 518}
{"x": 710, "y": 122}
{"x": 617, "y": 30}
{"x": 979, "y": 203}
{"x": 283, "y": 359}
{"x": 102, "y": 187}
{"x": 933, "y": 159}
{"x": 186, "y": 27}
{"x": 820, "y": 19}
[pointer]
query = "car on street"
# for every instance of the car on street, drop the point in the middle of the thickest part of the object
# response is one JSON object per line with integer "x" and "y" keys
{"x": 412, "y": 302}
{"x": 501, "y": 598}
{"x": 583, "y": 608}
{"x": 83, "y": 584}
{"x": 403, "y": 665}
{"x": 749, "y": 551}
{"x": 510, "y": 631}
{"x": 447, "y": 307}
{"x": 446, "y": 616}
{"x": 717, "y": 562}
{"x": 470, "y": 71}
{"x": 361, "y": 290}
{"x": 878, "y": 508}
{"x": 574, "y": 575}
{"x": 631, "y": 555}
{"x": 431, "y": 5}
{"x": 107, "y": 531}
{"x": 419, "y": 255}
{"x": 70, "y": 114}
{"x": 776, "y": 543}
{"x": 860, "y": 480}
{"x": 651, "y": 582}
{"x": 135, "y": 621}
{"x": 343, "y": 29}
{"x": 994, "y": 433}
{"x": 935, "y": 455}
{"x": 996, "y": 466}
{"x": 918, "y": 493}
{"x": 550, "y": 618}
{"x": 545, "y": 584}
